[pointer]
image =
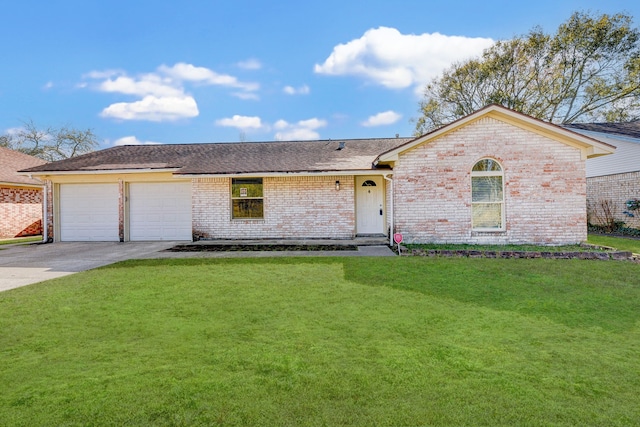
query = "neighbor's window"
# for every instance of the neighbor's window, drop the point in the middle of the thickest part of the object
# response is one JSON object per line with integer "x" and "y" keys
{"x": 246, "y": 198}
{"x": 487, "y": 195}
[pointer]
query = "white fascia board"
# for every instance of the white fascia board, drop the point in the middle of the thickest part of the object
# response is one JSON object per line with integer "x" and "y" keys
{"x": 17, "y": 184}
{"x": 98, "y": 172}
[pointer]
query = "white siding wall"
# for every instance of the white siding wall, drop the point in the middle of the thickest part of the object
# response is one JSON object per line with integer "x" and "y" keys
{"x": 625, "y": 159}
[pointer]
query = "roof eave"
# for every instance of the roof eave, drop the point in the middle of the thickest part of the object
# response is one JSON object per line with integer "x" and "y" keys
{"x": 20, "y": 184}
{"x": 286, "y": 174}
{"x": 98, "y": 172}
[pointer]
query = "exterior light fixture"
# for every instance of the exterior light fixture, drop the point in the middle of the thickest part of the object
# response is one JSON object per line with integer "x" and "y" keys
{"x": 337, "y": 185}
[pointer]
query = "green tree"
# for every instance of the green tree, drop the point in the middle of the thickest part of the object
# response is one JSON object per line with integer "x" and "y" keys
{"x": 50, "y": 143}
{"x": 589, "y": 70}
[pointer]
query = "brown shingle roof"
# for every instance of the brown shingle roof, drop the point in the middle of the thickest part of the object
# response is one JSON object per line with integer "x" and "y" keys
{"x": 12, "y": 161}
{"x": 232, "y": 158}
{"x": 629, "y": 129}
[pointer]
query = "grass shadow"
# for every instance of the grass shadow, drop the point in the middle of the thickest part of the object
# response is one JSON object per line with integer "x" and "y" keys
{"x": 575, "y": 293}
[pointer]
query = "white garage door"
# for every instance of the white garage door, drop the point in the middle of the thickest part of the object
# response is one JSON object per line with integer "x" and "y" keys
{"x": 160, "y": 211}
{"x": 88, "y": 212}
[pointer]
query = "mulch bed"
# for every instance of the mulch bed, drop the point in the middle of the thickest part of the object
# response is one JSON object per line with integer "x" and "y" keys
{"x": 248, "y": 248}
{"x": 605, "y": 256}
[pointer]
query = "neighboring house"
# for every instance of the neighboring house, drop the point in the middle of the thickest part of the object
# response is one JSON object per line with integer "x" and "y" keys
{"x": 495, "y": 176}
{"x": 612, "y": 180}
{"x": 20, "y": 196}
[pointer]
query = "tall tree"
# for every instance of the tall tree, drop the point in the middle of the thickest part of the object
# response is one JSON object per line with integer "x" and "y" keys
{"x": 588, "y": 70}
{"x": 50, "y": 143}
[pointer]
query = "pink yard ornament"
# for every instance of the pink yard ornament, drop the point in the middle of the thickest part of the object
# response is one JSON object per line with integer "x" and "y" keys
{"x": 397, "y": 237}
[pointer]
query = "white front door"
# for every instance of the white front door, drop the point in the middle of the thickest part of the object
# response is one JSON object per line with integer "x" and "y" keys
{"x": 370, "y": 204}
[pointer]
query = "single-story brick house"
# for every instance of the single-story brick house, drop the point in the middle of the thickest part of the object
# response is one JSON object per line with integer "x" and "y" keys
{"x": 495, "y": 176}
{"x": 20, "y": 195}
{"x": 613, "y": 179}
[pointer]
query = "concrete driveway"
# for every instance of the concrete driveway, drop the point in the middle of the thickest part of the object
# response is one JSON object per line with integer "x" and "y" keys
{"x": 22, "y": 265}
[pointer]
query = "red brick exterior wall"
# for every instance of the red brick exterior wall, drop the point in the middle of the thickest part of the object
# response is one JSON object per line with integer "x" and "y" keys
{"x": 545, "y": 187}
{"x": 20, "y": 211}
{"x": 294, "y": 207}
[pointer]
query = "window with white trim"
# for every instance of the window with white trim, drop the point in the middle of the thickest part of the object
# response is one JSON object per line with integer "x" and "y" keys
{"x": 487, "y": 196}
{"x": 246, "y": 198}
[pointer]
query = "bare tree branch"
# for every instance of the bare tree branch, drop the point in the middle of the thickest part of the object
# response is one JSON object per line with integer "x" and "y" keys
{"x": 588, "y": 69}
{"x": 50, "y": 143}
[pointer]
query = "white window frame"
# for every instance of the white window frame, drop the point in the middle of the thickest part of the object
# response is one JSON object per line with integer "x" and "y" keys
{"x": 500, "y": 173}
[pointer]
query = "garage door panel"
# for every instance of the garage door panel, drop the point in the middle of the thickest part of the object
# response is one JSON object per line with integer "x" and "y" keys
{"x": 160, "y": 211}
{"x": 89, "y": 212}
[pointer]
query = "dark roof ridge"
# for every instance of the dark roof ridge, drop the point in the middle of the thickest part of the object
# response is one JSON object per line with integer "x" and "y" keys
{"x": 261, "y": 142}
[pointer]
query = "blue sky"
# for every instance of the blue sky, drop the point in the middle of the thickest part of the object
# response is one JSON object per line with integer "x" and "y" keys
{"x": 212, "y": 71}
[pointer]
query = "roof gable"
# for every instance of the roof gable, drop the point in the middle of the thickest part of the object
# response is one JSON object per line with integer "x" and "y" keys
{"x": 589, "y": 147}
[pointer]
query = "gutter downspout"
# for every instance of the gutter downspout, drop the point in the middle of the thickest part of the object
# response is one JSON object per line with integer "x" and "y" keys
{"x": 386, "y": 177}
{"x": 45, "y": 228}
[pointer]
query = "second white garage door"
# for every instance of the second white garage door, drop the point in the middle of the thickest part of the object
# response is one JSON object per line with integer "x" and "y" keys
{"x": 160, "y": 211}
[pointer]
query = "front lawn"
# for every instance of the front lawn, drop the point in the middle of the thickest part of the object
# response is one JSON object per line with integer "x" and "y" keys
{"x": 620, "y": 243}
{"x": 325, "y": 341}
{"x": 12, "y": 241}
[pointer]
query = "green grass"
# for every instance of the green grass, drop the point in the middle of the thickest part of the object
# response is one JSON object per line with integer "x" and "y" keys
{"x": 620, "y": 243}
{"x": 21, "y": 240}
{"x": 325, "y": 341}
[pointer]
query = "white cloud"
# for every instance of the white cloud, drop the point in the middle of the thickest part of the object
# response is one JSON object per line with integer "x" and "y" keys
{"x": 241, "y": 122}
{"x": 251, "y": 96}
{"x": 14, "y": 131}
{"x": 189, "y": 72}
{"x": 162, "y": 94}
{"x": 48, "y": 85}
{"x": 302, "y": 130}
{"x": 250, "y": 64}
{"x": 183, "y": 71}
{"x": 395, "y": 60}
{"x": 302, "y": 90}
{"x": 153, "y": 109}
{"x": 299, "y": 134}
{"x": 382, "y": 119}
{"x": 148, "y": 84}
{"x": 17, "y": 131}
{"x": 281, "y": 124}
{"x": 132, "y": 140}
{"x": 312, "y": 123}
{"x": 103, "y": 74}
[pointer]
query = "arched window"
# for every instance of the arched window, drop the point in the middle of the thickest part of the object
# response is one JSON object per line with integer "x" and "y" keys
{"x": 487, "y": 196}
